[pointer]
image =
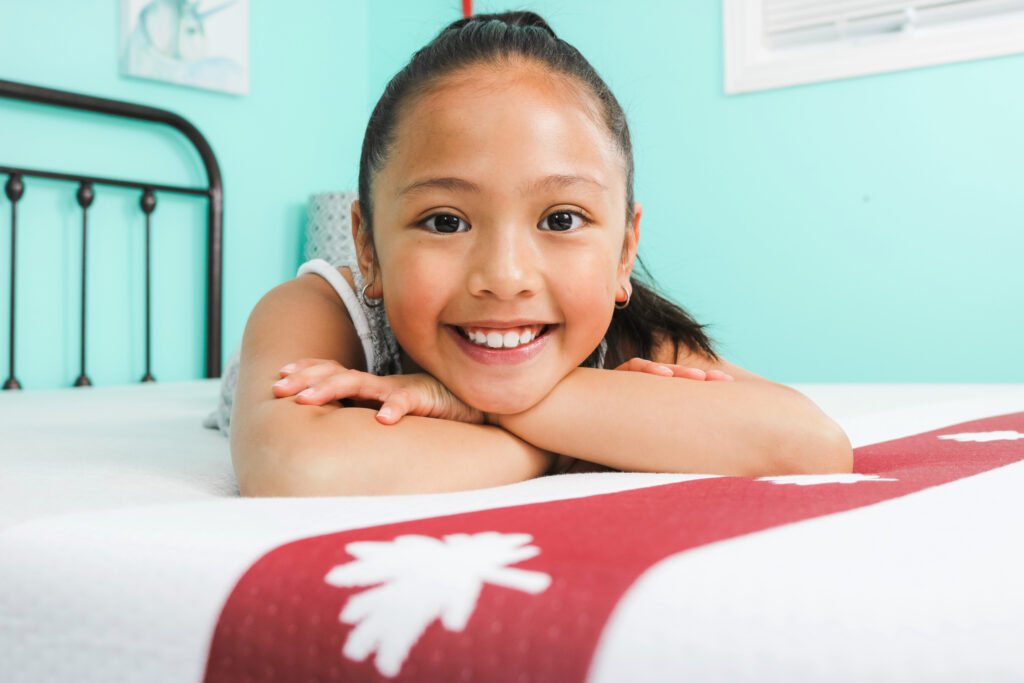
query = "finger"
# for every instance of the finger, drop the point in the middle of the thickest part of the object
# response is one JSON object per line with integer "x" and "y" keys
{"x": 352, "y": 384}
{"x": 297, "y": 365}
{"x": 304, "y": 364}
{"x": 645, "y": 365}
{"x": 395, "y": 406}
{"x": 287, "y": 386}
{"x": 699, "y": 374}
{"x": 671, "y": 370}
{"x": 687, "y": 373}
{"x": 658, "y": 369}
{"x": 718, "y": 375}
{"x": 307, "y": 376}
{"x": 634, "y": 365}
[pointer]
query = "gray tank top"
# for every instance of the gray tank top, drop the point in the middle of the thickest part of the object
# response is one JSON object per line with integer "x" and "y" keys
{"x": 371, "y": 322}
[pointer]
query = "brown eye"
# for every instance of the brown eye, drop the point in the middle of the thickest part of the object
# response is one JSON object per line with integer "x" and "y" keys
{"x": 444, "y": 223}
{"x": 562, "y": 221}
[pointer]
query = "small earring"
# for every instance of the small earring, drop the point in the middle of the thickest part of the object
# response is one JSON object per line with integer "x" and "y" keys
{"x": 620, "y": 305}
{"x": 366, "y": 300}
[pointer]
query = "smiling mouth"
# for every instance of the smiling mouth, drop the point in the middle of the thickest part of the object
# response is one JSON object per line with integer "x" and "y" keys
{"x": 503, "y": 339}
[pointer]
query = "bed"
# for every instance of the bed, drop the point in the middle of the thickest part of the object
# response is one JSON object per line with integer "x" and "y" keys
{"x": 126, "y": 554}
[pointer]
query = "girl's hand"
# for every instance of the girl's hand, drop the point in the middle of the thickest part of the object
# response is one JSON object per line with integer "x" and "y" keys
{"x": 669, "y": 370}
{"x": 317, "y": 381}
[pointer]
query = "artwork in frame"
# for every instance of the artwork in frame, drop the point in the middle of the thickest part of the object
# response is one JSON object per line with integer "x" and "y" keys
{"x": 197, "y": 43}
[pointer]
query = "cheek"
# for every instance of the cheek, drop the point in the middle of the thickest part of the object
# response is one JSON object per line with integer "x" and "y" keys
{"x": 587, "y": 301}
{"x": 587, "y": 316}
{"x": 589, "y": 282}
{"x": 415, "y": 290}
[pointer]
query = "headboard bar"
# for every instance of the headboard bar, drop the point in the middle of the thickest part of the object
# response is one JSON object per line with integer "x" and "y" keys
{"x": 70, "y": 100}
{"x": 96, "y": 180}
{"x": 213, "y": 192}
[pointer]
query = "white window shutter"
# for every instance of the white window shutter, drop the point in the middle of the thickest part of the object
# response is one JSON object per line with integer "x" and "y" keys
{"x": 775, "y": 43}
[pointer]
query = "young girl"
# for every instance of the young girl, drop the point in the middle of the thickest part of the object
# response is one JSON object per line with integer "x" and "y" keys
{"x": 492, "y": 329}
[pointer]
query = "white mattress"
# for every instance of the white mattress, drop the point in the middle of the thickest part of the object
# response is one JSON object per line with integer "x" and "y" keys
{"x": 71, "y": 450}
{"x": 122, "y": 534}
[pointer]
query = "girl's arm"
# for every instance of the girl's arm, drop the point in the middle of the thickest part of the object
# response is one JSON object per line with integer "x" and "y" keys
{"x": 283, "y": 448}
{"x": 640, "y": 422}
{"x": 347, "y": 452}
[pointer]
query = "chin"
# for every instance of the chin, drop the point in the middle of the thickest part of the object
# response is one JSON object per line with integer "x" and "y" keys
{"x": 502, "y": 403}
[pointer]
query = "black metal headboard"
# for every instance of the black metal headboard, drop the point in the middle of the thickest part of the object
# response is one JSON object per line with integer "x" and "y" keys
{"x": 213, "y": 192}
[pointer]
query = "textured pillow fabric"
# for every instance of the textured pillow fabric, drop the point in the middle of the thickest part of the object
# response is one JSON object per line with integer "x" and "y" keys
{"x": 328, "y": 237}
{"x": 329, "y": 227}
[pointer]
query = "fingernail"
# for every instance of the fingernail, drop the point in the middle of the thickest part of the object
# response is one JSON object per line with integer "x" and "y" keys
{"x": 280, "y": 382}
{"x": 307, "y": 392}
{"x": 385, "y": 413}
{"x": 663, "y": 369}
{"x": 288, "y": 368}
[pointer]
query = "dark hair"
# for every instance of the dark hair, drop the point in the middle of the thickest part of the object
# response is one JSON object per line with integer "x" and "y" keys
{"x": 487, "y": 38}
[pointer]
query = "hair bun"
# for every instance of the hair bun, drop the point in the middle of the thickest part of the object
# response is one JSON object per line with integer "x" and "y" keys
{"x": 510, "y": 18}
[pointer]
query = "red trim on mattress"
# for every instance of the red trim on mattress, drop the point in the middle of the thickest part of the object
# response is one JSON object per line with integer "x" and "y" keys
{"x": 281, "y": 621}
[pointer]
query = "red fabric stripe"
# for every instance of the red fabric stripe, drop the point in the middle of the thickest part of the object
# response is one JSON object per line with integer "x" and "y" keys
{"x": 282, "y": 619}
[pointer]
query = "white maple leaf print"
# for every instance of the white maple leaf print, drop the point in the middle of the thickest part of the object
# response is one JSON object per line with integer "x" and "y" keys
{"x": 1010, "y": 435}
{"x": 422, "y": 579}
{"x": 815, "y": 479}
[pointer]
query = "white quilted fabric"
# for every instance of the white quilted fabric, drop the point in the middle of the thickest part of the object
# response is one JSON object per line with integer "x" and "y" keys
{"x": 121, "y": 536}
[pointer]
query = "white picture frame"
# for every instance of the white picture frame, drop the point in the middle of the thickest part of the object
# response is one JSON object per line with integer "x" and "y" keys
{"x": 750, "y": 66}
{"x": 195, "y": 43}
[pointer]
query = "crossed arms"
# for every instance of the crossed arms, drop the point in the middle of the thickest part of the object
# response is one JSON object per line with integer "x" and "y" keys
{"x": 283, "y": 445}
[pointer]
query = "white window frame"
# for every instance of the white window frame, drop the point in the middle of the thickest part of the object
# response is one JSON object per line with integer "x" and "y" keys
{"x": 750, "y": 66}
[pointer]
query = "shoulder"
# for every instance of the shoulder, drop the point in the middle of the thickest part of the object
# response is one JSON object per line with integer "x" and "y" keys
{"x": 300, "y": 318}
{"x": 314, "y": 282}
{"x": 665, "y": 351}
{"x": 304, "y": 318}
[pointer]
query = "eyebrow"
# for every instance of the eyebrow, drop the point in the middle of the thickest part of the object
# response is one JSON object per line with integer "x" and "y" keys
{"x": 550, "y": 182}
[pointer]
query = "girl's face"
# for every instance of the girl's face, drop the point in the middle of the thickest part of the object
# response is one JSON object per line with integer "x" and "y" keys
{"x": 500, "y": 234}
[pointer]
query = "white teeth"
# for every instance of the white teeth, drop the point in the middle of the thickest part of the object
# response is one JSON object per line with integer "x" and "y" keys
{"x": 498, "y": 340}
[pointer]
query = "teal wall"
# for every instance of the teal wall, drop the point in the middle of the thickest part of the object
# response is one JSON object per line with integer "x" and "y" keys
{"x": 297, "y": 132}
{"x": 864, "y": 230}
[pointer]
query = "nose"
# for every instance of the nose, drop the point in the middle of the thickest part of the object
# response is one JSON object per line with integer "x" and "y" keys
{"x": 504, "y": 263}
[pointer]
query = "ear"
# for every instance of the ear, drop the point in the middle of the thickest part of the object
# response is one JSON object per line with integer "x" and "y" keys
{"x": 631, "y": 243}
{"x": 364, "y": 250}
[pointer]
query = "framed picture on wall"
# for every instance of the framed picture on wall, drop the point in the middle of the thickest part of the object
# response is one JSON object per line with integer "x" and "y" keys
{"x": 197, "y": 43}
